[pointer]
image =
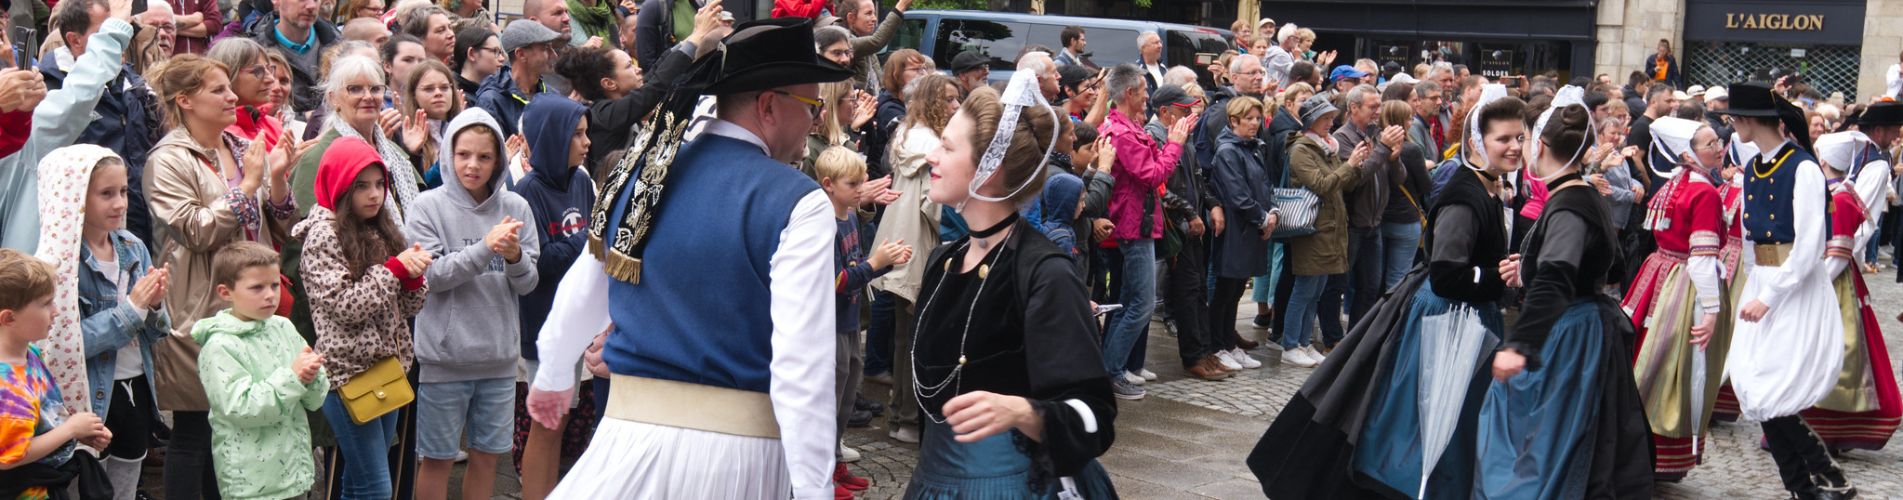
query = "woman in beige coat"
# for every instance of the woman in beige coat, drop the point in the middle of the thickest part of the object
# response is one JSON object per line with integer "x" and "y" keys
{"x": 1316, "y": 257}
{"x": 912, "y": 219}
{"x": 208, "y": 188}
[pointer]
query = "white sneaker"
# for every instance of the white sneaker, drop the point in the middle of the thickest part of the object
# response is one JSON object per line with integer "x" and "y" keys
{"x": 1146, "y": 374}
{"x": 1297, "y": 358}
{"x": 1314, "y": 354}
{"x": 847, "y": 454}
{"x": 1228, "y": 361}
{"x": 1243, "y": 358}
{"x": 1133, "y": 378}
{"x": 907, "y": 434}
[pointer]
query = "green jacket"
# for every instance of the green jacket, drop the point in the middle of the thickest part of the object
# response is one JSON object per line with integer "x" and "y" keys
{"x": 261, "y": 444}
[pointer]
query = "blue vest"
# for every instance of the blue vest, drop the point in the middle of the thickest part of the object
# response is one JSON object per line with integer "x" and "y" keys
{"x": 702, "y": 311}
{"x": 1768, "y": 194}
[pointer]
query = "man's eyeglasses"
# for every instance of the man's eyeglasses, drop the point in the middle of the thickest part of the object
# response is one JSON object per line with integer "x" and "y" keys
{"x": 813, "y": 104}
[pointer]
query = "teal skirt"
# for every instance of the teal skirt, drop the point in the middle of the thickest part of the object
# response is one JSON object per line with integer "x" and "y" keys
{"x": 997, "y": 468}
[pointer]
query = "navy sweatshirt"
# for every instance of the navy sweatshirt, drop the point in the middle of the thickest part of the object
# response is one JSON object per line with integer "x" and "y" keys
{"x": 854, "y": 273}
{"x": 560, "y": 196}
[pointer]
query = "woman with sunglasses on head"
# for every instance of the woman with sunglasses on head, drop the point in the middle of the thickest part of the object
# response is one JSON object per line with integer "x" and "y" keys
{"x": 208, "y": 188}
{"x": 1562, "y": 415}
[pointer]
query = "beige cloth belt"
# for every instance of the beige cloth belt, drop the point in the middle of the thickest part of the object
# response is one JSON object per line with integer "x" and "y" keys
{"x": 1772, "y": 255}
{"x": 692, "y": 406}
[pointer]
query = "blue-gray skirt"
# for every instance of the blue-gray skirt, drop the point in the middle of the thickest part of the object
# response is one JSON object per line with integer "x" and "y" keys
{"x": 996, "y": 468}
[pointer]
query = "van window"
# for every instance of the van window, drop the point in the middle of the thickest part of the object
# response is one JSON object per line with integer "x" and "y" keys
{"x": 999, "y": 41}
{"x": 1193, "y": 48}
{"x": 1106, "y": 47}
{"x": 911, "y": 35}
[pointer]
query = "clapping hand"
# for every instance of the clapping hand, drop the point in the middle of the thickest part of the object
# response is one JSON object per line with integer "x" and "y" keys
{"x": 1179, "y": 133}
{"x": 1393, "y": 136}
{"x": 307, "y": 364}
{"x": 415, "y": 260}
{"x": 889, "y": 254}
{"x": 864, "y": 110}
{"x": 392, "y": 122}
{"x": 1106, "y": 154}
{"x": 415, "y": 132}
{"x": 149, "y": 292}
{"x": 252, "y": 167}
{"x": 878, "y": 191}
{"x": 1598, "y": 182}
{"x": 505, "y": 239}
{"x": 1361, "y": 154}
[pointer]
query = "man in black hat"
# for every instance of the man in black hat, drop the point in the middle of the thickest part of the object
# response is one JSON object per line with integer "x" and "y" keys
{"x": 1883, "y": 123}
{"x": 972, "y": 70}
{"x": 1787, "y": 344}
{"x": 1880, "y": 123}
{"x": 711, "y": 267}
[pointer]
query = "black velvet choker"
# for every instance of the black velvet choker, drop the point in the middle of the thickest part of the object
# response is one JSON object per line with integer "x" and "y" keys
{"x": 978, "y": 234}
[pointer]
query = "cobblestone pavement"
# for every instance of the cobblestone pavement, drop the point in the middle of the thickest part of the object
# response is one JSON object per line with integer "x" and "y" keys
{"x": 1188, "y": 439}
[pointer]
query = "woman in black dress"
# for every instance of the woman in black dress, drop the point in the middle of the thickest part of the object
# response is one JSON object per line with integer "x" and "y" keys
{"x": 1563, "y": 418}
{"x": 1005, "y": 359}
{"x": 1359, "y": 427}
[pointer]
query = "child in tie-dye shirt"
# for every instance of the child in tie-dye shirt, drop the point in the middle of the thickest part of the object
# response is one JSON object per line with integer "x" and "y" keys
{"x": 33, "y": 439}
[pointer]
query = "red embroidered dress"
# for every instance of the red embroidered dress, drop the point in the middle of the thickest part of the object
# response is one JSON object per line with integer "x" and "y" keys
{"x": 1678, "y": 285}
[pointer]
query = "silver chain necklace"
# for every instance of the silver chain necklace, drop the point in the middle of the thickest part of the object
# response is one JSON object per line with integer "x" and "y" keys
{"x": 955, "y": 379}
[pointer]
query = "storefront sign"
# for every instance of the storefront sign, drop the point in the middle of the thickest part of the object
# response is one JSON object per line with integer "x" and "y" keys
{"x": 1821, "y": 22}
{"x": 1779, "y": 22}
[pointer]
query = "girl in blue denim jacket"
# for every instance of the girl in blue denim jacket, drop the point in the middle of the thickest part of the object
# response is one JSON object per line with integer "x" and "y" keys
{"x": 109, "y": 289}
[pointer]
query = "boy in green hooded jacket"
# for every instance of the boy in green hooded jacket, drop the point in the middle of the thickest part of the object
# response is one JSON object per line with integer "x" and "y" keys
{"x": 261, "y": 378}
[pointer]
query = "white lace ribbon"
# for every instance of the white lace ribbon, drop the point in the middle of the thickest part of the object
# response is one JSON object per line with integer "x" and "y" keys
{"x": 1020, "y": 93}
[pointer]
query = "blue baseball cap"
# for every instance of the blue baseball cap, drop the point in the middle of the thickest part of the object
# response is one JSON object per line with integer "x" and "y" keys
{"x": 1346, "y": 71}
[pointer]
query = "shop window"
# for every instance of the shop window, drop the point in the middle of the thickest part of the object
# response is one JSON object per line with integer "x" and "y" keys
{"x": 1828, "y": 68}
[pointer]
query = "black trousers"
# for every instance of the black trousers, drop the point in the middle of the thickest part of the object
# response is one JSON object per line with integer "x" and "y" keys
{"x": 1284, "y": 287}
{"x": 1802, "y": 462}
{"x": 1366, "y": 272}
{"x": 1184, "y": 289}
{"x": 188, "y": 466}
{"x": 1222, "y": 312}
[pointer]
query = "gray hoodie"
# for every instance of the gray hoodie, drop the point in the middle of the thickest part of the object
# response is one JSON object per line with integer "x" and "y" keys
{"x": 468, "y": 329}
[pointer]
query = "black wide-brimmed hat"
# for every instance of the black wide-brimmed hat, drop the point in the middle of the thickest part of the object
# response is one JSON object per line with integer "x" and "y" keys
{"x": 1751, "y": 99}
{"x": 1884, "y": 112}
{"x": 770, "y": 53}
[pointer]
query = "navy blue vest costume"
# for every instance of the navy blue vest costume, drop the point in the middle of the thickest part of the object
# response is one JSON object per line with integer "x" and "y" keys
{"x": 701, "y": 314}
{"x": 1768, "y": 186}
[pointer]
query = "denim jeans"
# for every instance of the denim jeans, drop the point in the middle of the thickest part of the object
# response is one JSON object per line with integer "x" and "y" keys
{"x": 1299, "y": 318}
{"x": 879, "y": 347}
{"x": 365, "y": 449}
{"x": 1265, "y": 285}
{"x": 1139, "y": 301}
{"x": 1328, "y": 310}
{"x": 1401, "y": 243}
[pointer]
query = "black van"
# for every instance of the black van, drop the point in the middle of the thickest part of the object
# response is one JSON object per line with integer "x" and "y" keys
{"x": 942, "y": 34}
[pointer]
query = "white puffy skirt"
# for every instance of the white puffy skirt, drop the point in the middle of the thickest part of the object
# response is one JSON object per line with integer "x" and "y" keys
{"x": 633, "y": 460}
{"x": 1789, "y": 361}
